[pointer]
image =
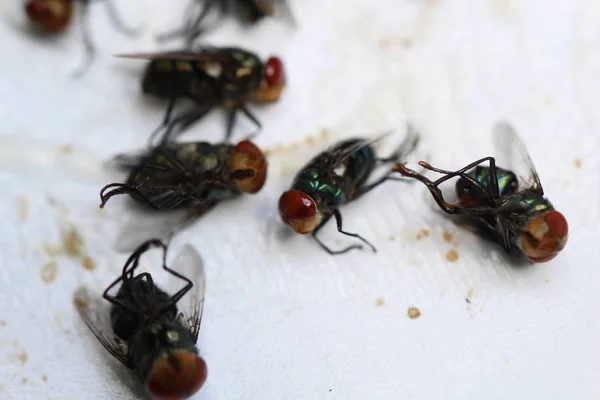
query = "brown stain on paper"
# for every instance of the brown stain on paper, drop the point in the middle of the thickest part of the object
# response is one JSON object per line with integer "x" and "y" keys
{"x": 49, "y": 272}
{"x": 451, "y": 255}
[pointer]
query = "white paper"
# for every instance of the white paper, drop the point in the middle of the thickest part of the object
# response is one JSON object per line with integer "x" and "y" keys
{"x": 282, "y": 319}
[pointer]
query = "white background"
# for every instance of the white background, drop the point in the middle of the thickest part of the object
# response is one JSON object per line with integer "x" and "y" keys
{"x": 284, "y": 320}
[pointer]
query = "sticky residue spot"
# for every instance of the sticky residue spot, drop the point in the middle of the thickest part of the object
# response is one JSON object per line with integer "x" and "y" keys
{"x": 22, "y": 208}
{"x": 22, "y": 357}
{"x": 44, "y": 378}
{"x": 88, "y": 263}
{"x": 73, "y": 243}
{"x": 577, "y": 163}
{"x": 24, "y": 380}
{"x": 413, "y": 313}
{"x": 447, "y": 236}
{"x": 52, "y": 251}
{"x": 66, "y": 149}
{"x": 309, "y": 141}
{"x": 392, "y": 238}
{"x": 386, "y": 44}
{"x": 49, "y": 272}
{"x": 82, "y": 299}
{"x": 2, "y": 323}
{"x": 422, "y": 234}
{"x": 451, "y": 255}
{"x": 379, "y": 302}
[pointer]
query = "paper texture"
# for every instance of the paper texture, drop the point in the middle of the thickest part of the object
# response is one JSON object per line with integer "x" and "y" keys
{"x": 283, "y": 319}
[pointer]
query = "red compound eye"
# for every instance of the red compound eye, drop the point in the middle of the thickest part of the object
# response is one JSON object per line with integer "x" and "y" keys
{"x": 249, "y": 148}
{"x": 549, "y": 232}
{"x": 168, "y": 383}
{"x": 299, "y": 210}
{"x": 557, "y": 224}
{"x": 36, "y": 10}
{"x": 274, "y": 72}
{"x": 50, "y": 15}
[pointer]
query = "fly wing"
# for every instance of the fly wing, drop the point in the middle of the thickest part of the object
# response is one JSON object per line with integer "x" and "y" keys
{"x": 95, "y": 312}
{"x": 205, "y": 53}
{"x": 339, "y": 152}
{"x": 188, "y": 263}
{"x": 512, "y": 151}
{"x": 146, "y": 224}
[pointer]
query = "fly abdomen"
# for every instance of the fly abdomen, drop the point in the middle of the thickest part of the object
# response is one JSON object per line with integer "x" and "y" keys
{"x": 360, "y": 165}
{"x": 169, "y": 78}
{"x": 471, "y": 195}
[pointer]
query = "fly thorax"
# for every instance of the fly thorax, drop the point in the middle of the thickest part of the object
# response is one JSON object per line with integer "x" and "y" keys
{"x": 526, "y": 205}
{"x": 324, "y": 189}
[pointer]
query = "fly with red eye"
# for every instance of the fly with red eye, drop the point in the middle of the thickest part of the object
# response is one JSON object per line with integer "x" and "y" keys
{"x": 228, "y": 77}
{"x": 249, "y": 12}
{"x": 506, "y": 202}
{"x": 55, "y": 16}
{"x": 152, "y": 332}
{"x": 336, "y": 177}
{"x": 187, "y": 179}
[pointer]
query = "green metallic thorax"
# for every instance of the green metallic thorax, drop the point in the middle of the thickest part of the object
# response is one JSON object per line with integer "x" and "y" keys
{"x": 321, "y": 188}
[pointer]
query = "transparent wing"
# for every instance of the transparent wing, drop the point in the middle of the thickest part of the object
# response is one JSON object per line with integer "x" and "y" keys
{"x": 95, "y": 312}
{"x": 512, "y": 155}
{"x": 148, "y": 224}
{"x": 338, "y": 153}
{"x": 205, "y": 53}
{"x": 188, "y": 263}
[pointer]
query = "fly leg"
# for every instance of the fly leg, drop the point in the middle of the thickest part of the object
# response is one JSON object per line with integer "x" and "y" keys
{"x": 123, "y": 188}
{"x": 165, "y": 120}
{"x": 433, "y": 186}
{"x": 117, "y": 21}
{"x": 188, "y": 283}
{"x": 230, "y": 122}
{"x": 185, "y": 120}
{"x": 338, "y": 220}
{"x": 127, "y": 273}
{"x": 192, "y": 27}
{"x": 88, "y": 44}
{"x": 252, "y": 118}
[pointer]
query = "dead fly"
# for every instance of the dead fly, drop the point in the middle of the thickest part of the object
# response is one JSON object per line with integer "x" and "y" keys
{"x": 507, "y": 202}
{"x": 54, "y": 16}
{"x": 189, "y": 177}
{"x": 212, "y": 76}
{"x": 334, "y": 178}
{"x": 248, "y": 11}
{"x": 149, "y": 330}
